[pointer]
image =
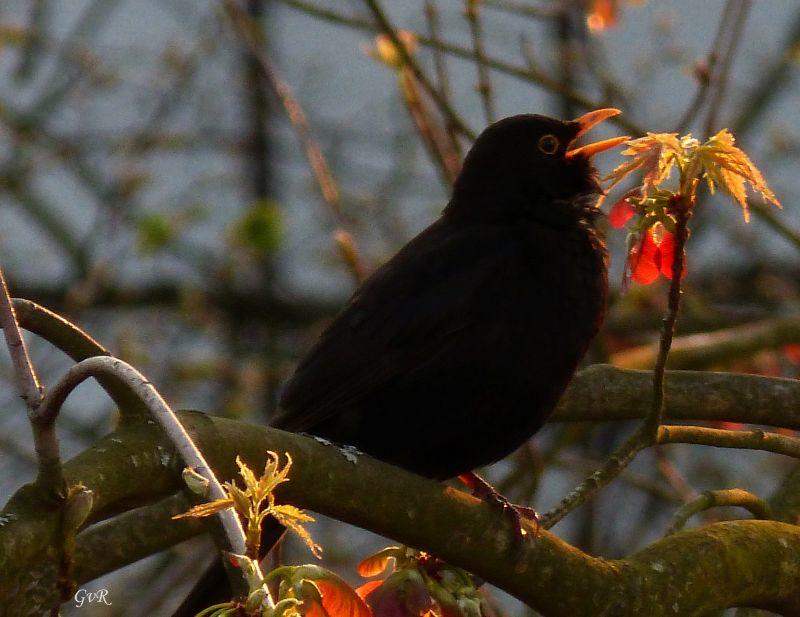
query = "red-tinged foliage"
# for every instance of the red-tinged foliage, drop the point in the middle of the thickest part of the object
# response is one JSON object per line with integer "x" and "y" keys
{"x": 338, "y": 600}
{"x": 403, "y": 594}
{"x": 666, "y": 251}
{"x": 377, "y": 563}
{"x": 367, "y": 588}
{"x": 642, "y": 261}
{"x": 792, "y": 352}
{"x": 602, "y": 15}
{"x": 653, "y": 256}
{"x": 620, "y": 213}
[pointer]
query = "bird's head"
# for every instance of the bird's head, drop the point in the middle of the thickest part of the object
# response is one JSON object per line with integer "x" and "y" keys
{"x": 529, "y": 163}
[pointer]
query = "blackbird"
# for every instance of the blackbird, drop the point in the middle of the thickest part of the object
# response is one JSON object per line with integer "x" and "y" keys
{"x": 455, "y": 351}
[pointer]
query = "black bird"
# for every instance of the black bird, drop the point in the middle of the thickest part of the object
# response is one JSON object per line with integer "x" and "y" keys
{"x": 455, "y": 351}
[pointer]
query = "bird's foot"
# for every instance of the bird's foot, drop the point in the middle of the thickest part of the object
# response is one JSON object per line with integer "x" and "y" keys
{"x": 522, "y": 517}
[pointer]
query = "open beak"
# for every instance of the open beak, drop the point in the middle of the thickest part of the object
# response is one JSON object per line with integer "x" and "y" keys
{"x": 586, "y": 122}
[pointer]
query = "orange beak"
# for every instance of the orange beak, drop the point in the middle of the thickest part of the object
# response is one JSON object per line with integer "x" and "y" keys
{"x": 586, "y": 122}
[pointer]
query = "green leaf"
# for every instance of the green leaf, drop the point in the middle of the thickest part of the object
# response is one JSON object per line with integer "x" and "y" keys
{"x": 154, "y": 232}
{"x": 260, "y": 229}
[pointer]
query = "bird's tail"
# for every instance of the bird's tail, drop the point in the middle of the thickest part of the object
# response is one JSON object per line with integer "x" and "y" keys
{"x": 213, "y": 586}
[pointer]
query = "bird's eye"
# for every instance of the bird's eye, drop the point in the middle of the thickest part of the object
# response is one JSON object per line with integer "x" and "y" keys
{"x": 548, "y": 144}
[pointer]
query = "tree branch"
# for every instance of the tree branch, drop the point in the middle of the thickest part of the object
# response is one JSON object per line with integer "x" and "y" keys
{"x": 160, "y": 412}
{"x": 27, "y": 381}
{"x": 751, "y": 563}
{"x": 697, "y": 351}
{"x": 741, "y": 440}
{"x": 496, "y": 64}
{"x": 248, "y": 30}
{"x": 603, "y": 393}
{"x": 717, "y": 499}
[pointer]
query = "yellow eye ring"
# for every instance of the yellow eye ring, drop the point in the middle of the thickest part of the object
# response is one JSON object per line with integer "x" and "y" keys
{"x": 548, "y": 144}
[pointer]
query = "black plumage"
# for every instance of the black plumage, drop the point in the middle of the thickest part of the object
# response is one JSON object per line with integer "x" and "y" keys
{"x": 455, "y": 351}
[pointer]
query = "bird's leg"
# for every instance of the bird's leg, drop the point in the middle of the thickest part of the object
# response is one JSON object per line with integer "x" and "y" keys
{"x": 482, "y": 489}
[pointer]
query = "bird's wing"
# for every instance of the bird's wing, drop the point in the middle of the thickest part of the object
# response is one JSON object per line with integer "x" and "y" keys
{"x": 401, "y": 317}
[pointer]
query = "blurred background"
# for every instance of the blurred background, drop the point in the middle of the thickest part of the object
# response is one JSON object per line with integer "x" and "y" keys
{"x": 154, "y": 190}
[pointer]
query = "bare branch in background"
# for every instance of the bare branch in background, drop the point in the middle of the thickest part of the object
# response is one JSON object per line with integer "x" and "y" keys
{"x": 444, "y": 106}
{"x": 719, "y": 75}
{"x": 442, "y": 74}
{"x": 249, "y": 33}
{"x": 484, "y": 86}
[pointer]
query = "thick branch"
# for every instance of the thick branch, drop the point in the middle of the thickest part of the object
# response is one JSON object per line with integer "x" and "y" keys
{"x": 602, "y": 392}
{"x": 749, "y": 562}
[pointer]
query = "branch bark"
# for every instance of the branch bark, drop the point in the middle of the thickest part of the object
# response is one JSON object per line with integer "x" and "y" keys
{"x": 740, "y": 563}
{"x": 604, "y": 393}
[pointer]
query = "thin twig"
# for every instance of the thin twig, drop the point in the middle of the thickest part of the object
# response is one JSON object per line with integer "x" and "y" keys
{"x": 705, "y": 349}
{"x": 673, "y": 476}
{"x": 78, "y": 345}
{"x": 496, "y": 64}
{"x": 743, "y": 440}
{"x": 319, "y": 165}
{"x": 434, "y": 137}
{"x": 615, "y": 464}
{"x": 720, "y": 438}
{"x": 663, "y": 490}
{"x": 705, "y": 74}
{"x": 648, "y": 432}
{"x": 562, "y": 25}
{"x": 442, "y": 74}
{"x": 683, "y": 210}
{"x": 773, "y": 80}
{"x": 719, "y": 79}
{"x": 27, "y": 381}
{"x": 448, "y": 111}
{"x": 721, "y": 498}
{"x": 45, "y": 440}
{"x": 472, "y": 11}
{"x": 161, "y": 412}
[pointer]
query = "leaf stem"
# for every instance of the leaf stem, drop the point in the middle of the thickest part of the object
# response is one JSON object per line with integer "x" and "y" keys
{"x": 682, "y": 212}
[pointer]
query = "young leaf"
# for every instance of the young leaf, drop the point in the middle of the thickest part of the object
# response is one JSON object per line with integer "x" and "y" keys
{"x": 206, "y": 509}
{"x": 654, "y": 155}
{"x": 293, "y": 518}
{"x": 728, "y": 168}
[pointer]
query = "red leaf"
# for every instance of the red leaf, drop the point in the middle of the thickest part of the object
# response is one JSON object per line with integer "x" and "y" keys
{"x": 642, "y": 261}
{"x": 602, "y": 15}
{"x": 377, "y": 563}
{"x": 340, "y": 600}
{"x": 367, "y": 588}
{"x": 620, "y": 213}
{"x": 667, "y": 250}
{"x": 792, "y": 352}
{"x": 312, "y": 608}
